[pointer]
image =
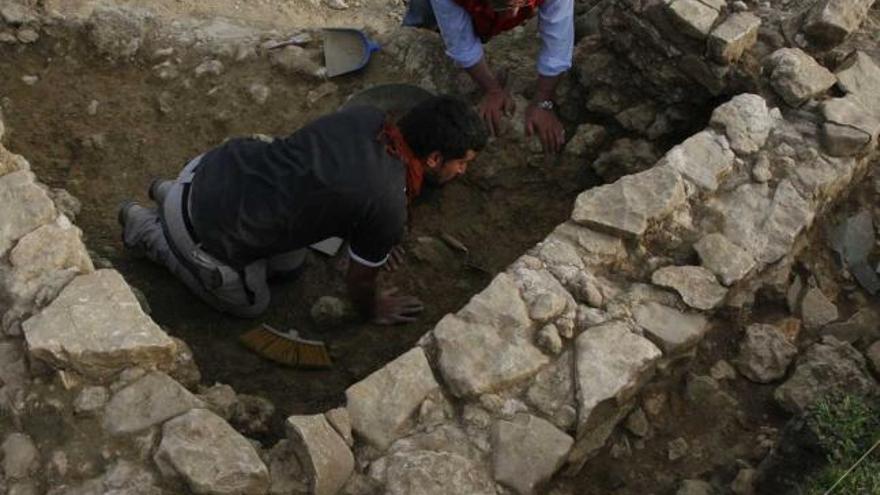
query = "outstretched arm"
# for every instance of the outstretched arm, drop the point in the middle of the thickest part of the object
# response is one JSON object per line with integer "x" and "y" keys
{"x": 556, "y": 25}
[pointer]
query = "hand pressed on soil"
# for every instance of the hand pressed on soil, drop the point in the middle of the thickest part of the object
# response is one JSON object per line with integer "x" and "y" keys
{"x": 496, "y": 103}
{"x": 394, "y": 309}
{"x": 547, "y": 126}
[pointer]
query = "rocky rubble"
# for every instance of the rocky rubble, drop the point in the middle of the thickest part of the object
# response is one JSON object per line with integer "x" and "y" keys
{"x": 536, "y": 372}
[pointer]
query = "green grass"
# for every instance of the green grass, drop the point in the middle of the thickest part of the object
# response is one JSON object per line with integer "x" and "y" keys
{"x": 847, "y": 428}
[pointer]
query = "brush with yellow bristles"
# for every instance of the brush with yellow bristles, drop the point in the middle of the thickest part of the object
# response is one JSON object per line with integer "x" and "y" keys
{"x": 286, "y": 348}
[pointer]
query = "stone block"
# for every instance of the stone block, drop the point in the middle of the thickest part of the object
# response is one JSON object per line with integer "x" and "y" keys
{"x": 476, "y": 358}
{"x": 210, "y": 456}
{"x": 850, "y": 128}
{"x": 797, "y": 77}
{"x": 765, "y": 353}
{"x": 696, "y": 285}
{"x": 817, "y": 310}
{"x": 746, "y": 122}
{"x": 428, "y": 472}
{"x": 764, "y": 223}
{"x": 147, "y": 402}
{"x": 552, "y": 392}
{"x": 527, "y": 451}
{"x": 48, "y": 257}
{"x": 829, "y": 22}
{"x": 694, "y": 17}
{"x": 859, "y": 75}
{"x": 587, "y": 139}
{"x": 26, "y": 206}
{"x": 10, "y": 162}
{"x": 729, "y": 262}
{"x": 735, "y": 35}
{"x": 703, "y": 159}
{"x": 672, "y": 330}
{"x": 596, "y": 247}
{"x": 628, "y": 206}
{"x": 499, "y": 305}
{"x": 828, "y": 369}
{"x": 96, "y": 327}
{"x": 611, "y": 364}
{"x": 381, "y": 404}
{"x": 327, "y": 459}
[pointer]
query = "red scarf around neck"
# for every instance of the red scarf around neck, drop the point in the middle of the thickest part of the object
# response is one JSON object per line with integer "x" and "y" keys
{"x": 397, "y": 147}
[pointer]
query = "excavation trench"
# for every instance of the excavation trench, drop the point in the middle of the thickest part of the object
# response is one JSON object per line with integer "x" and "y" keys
{"x": 108, "y": 151}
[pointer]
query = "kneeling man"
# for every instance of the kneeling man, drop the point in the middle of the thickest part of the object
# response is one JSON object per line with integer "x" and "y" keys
{"x": 248, "y": 210}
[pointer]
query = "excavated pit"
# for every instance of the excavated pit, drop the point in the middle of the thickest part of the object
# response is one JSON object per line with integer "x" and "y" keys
{"x": 506, "y": 204}
{"x": 103, "y": 130}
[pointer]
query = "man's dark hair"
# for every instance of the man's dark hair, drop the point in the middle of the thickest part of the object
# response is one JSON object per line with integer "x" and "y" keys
{"x": 445, "y": 124}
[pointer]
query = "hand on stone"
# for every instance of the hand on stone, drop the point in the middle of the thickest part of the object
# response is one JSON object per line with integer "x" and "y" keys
{"x": 394, "y": 309}
{"x": 496, "y": 103}
{"x": 547, "y": 126}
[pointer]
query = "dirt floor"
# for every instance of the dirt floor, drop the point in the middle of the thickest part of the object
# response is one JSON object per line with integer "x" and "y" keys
{"x": 500, "y": 210}
{"x": 377, "y": 15}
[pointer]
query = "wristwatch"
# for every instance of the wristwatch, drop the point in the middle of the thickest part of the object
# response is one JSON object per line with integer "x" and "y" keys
{"x": 546, "y": 105}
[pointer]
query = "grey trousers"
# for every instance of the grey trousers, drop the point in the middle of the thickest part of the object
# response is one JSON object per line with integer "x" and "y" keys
{"x": 161, "y": 234}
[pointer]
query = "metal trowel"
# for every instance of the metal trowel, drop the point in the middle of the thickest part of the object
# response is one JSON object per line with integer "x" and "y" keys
{"x": 346, "y": 50}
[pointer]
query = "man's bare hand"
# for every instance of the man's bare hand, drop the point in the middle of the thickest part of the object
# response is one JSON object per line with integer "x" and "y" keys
{"x": 496, "y": 103}
{"x": 395, "y": 259}
{"x": 394, "y": 309}
{"x": 547, "y": 126}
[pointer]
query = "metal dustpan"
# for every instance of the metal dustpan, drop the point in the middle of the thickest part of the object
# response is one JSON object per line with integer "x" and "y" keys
{"x": 346, "y": 50}
{"x": 395, "y": 98}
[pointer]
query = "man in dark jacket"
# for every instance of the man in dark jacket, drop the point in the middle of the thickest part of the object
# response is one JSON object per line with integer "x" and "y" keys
{"x": 466, "y": 24}
{"x": 248, "y": 210}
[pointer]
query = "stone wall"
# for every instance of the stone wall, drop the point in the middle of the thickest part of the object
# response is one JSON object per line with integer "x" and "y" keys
{"x": 524, "y": 382}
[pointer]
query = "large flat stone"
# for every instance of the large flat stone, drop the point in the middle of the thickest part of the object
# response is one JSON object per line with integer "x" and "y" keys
{"x": 850, "y": 128}
{"x": 746, "y": 122}
{"x": 831, "y": 21}
{"x": 797, "y": 77}
{"x": 149, "y": 401}
{"x": 703, "y": 159}
{"x": 326, "y": 457}
{"x": 475, "y": 358}
{"x": 527, "y": 451}
{"x": 97, "y": 328}
{"x": 729, "y": 262}
{"x": 735, "y": 35}
{"x": 380, "y": 404}
{"x": 672, "y": 330}
{"x": 628, "y": 206}
{"x": 611, "y": 364}
{"x": 696, "y": 285}
{"x": 859, "y": 75}
{"x": 210, "y": 456}
{"x": 26, "y": 206}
